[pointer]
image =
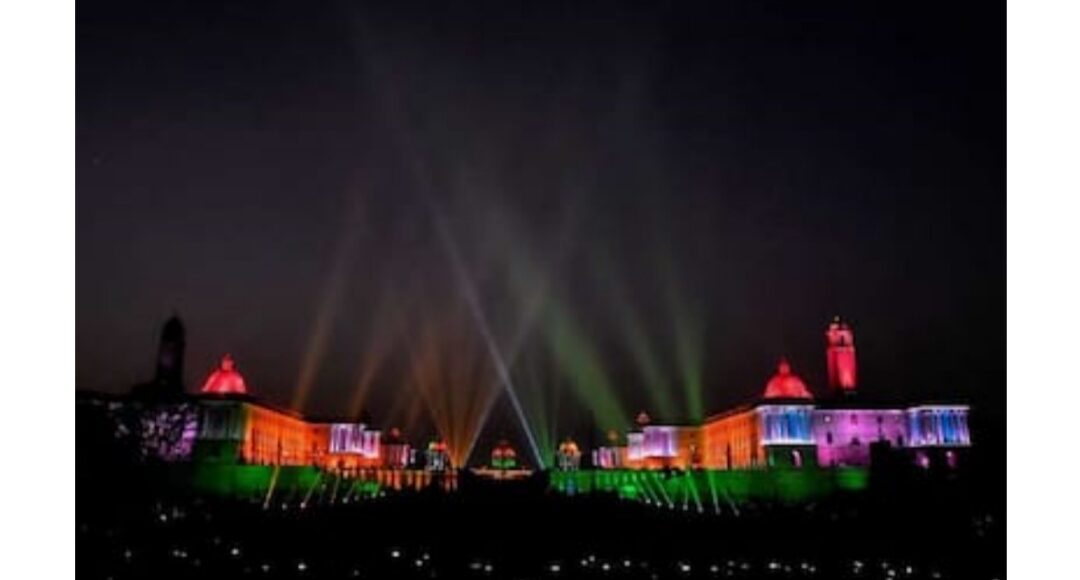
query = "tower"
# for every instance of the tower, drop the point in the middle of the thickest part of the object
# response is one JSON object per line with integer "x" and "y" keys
{"x": 169, "y": 375}
{"x": 840, "y": 357}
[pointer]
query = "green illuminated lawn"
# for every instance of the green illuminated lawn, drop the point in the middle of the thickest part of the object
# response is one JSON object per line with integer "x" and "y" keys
{"x": 703, "y": 490}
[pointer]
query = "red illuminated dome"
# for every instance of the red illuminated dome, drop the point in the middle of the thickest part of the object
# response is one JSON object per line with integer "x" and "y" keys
{"x": 503, "y": 449}
{"x": 785, "y": 385}
{"x": 225, "y": 380}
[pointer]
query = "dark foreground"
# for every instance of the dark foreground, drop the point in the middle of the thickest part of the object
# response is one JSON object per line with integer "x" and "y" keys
{"x": 137, "y": 529}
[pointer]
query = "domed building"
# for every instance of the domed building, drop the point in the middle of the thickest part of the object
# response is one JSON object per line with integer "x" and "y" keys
{"x": 773, "y": 433}
{"x": 789, "y": 428}
{"x": 225, "y": 380}
{"x": 786, "y": 385}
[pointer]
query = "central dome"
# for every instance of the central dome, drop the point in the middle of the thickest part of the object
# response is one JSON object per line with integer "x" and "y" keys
{"x": 786, "y": 385}
{"x": 226, "y": 380}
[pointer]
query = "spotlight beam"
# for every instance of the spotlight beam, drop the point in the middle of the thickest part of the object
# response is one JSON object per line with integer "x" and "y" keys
{"x": 468, "y": 290}
{"x": 270, "y": 488}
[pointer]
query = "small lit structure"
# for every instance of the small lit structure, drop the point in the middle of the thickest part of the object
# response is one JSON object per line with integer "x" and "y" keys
{"x": 352, "y": 446}
{"x": 661, "y": 446}
{"x": 568, "y": 456}
{"x": 354, "y": 438}
{"x": 504, "y": 464}
{"x": 503, "y": 456}
{"x": 612, "y": 456}
{"x": 609, "y": 457}
{"x": 437, "y": 457}
{"x": 396, "y": 452}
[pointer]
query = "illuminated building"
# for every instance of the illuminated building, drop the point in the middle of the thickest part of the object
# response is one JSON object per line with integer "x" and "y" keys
{"x": 353, "y": 446}
{"x": 504, "y": 464}
{"x": 232, "y": 427}
{"x": 437, "y": 457}
{"x": 228, "y": 437}
{"x": 245, "y": 431}
{"x": 776, "y": 432}
{"x": 938, "y": 426}
{"x": 732, "y": 440}
{"x": 396, "y": 453}
{"x": 937, "y": 433}
{"x": 663, "y": 446}
{"x": 225, "y": 380}
{"x": 503, "y": 456}
{"x": 787, "y": 428}
{"x": 568, "y": 456}
{"x": 168, "y": 432}
{"x": 612, "y": 457}
{"x": 844, "y": 436}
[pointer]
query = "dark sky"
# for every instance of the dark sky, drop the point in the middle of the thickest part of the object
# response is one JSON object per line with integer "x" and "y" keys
{"x": 319, "y": 188}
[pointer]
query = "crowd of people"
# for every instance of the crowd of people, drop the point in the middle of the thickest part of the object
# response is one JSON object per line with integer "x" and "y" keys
{"x": 500, "y": 530}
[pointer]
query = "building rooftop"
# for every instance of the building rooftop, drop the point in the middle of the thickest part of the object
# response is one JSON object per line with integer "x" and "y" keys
{"x": 786, "y": 385}
{"x": 225, "y": 380}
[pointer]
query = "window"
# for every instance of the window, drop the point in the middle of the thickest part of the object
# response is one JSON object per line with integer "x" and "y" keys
{"x": 828, "y": 437}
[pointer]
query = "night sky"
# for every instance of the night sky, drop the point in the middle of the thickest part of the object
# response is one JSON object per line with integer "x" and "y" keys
{"x": 332, "y": 192}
